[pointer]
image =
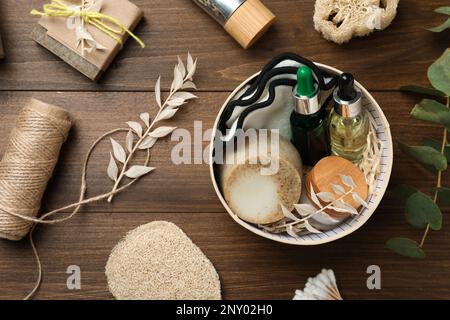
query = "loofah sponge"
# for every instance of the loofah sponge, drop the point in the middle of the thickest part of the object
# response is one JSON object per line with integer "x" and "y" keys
{"x": 340, "y": 20}
{"x": 158, "y": 261}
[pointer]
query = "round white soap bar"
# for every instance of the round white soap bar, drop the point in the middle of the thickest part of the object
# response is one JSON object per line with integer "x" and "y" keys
{"x": 263, "y": 179}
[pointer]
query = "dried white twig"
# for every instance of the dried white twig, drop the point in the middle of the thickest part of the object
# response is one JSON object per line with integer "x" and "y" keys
{"x": 298, "y": 225}
{"x": 148, "y": 135}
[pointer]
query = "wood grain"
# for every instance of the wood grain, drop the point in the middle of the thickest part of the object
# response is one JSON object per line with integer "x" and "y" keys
{"x": 184, "y": 195}
{"x": 172, "y": 27}
{"x": 250, "y": 267}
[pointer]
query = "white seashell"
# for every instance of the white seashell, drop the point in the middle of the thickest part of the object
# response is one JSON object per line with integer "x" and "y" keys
{"x": 321, "y": 287}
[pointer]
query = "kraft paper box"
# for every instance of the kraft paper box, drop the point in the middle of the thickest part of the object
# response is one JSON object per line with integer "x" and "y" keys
{"x": 55, "y": 34}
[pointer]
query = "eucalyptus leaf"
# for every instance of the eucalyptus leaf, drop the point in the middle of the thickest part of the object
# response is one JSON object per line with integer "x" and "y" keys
{"x": 425, "y": 155}
{"x": 423, "y": 90}
{"x": 403, "y": 192}
{"x": 421, "y": 210}
{"x": 432, "y": 111}
{"x": 443, "y": 10}
{"x": 443, "y": 195}
{"x": 439, "y": 73}
{"x": 406, "y": 247}
{"x": 442, "y": 27}
{"x": 437, "y": 145}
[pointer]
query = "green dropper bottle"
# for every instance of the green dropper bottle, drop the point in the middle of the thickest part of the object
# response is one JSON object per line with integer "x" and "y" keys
{"x": 309, "y": 121}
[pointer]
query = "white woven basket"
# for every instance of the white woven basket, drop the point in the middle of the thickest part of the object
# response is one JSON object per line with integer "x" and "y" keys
{"x": 346, "y": 227}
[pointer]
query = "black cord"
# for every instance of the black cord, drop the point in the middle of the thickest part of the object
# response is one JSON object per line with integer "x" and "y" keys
{"x": 259, "y": 84}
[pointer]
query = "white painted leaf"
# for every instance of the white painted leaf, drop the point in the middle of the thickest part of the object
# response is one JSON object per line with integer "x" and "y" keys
{"x": 138, "y": 171}
{"x": 189, "y": 62}
{"x": 112, "y": 170}
{"x": 288, "y": 214}
{"x": 145, "y": 117}
{"x": 175, "y": 102}
{"x": 158, "y": 91}
{"x": 192, "y": 70}
{"x": 189, "y": 85}
{"x": 320, "y": 216}
{"x": 341, "y": 206}
{"x": 314, "y": 196}
{"x": 305, "y": 209}
{"x": 290, "y": 231}
{"x": 310, "y": 228}
{"x": 147, "y": 143}
{"x": 119, "y": 152}
{"x": 166, "y": 114}
{"x": 129, "y": 141}
{"x": 326, "y": 196}
{"x": 181, "y": 67}
{"x": 136, "y": 127}
{"x": 338, "y": 189}
{"x": 177, "y": 79}
{"x": 161, "y": 132}
{"x": 184, "y": 95}
{"x": 359, "y": 200}
{"x": 348, "y": 181}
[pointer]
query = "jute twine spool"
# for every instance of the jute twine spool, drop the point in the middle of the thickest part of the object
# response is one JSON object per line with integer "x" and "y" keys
{"x": 28, "y": 163}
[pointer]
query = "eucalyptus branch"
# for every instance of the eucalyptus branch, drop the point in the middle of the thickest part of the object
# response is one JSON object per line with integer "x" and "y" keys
{"x": 421, "y": 210}
{"x": 439, "y": 178}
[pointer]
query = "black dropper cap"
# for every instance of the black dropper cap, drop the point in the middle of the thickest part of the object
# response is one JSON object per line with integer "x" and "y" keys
{"x": 346, "y": 88}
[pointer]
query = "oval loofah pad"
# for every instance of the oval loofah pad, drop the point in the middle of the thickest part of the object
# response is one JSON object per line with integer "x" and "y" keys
{"x": 158, "y": 261}
{"x": 341, "y": 20}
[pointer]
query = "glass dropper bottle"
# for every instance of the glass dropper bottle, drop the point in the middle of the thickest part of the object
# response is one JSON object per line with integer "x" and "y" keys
{"x": 309, "y": 121}
{"x": 349, "y": 123}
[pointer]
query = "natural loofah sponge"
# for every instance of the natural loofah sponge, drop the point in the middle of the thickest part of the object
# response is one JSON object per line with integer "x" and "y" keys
{"x": 158, "y": 261}
{"x": 340, "y": 20}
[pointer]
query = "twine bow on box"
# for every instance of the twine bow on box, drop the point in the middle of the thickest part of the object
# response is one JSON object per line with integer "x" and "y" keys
{"x": 87, "y": 13}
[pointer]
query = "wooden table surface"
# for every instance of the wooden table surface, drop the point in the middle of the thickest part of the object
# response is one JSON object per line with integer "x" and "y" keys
{"x": 249, "y": 266}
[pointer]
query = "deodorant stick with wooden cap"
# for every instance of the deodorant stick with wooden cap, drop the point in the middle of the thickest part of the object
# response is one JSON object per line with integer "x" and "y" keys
{"x": 244, "y": 20}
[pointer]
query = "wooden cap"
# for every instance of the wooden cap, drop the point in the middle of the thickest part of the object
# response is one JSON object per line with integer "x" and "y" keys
{"x": 249, "y": 22}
